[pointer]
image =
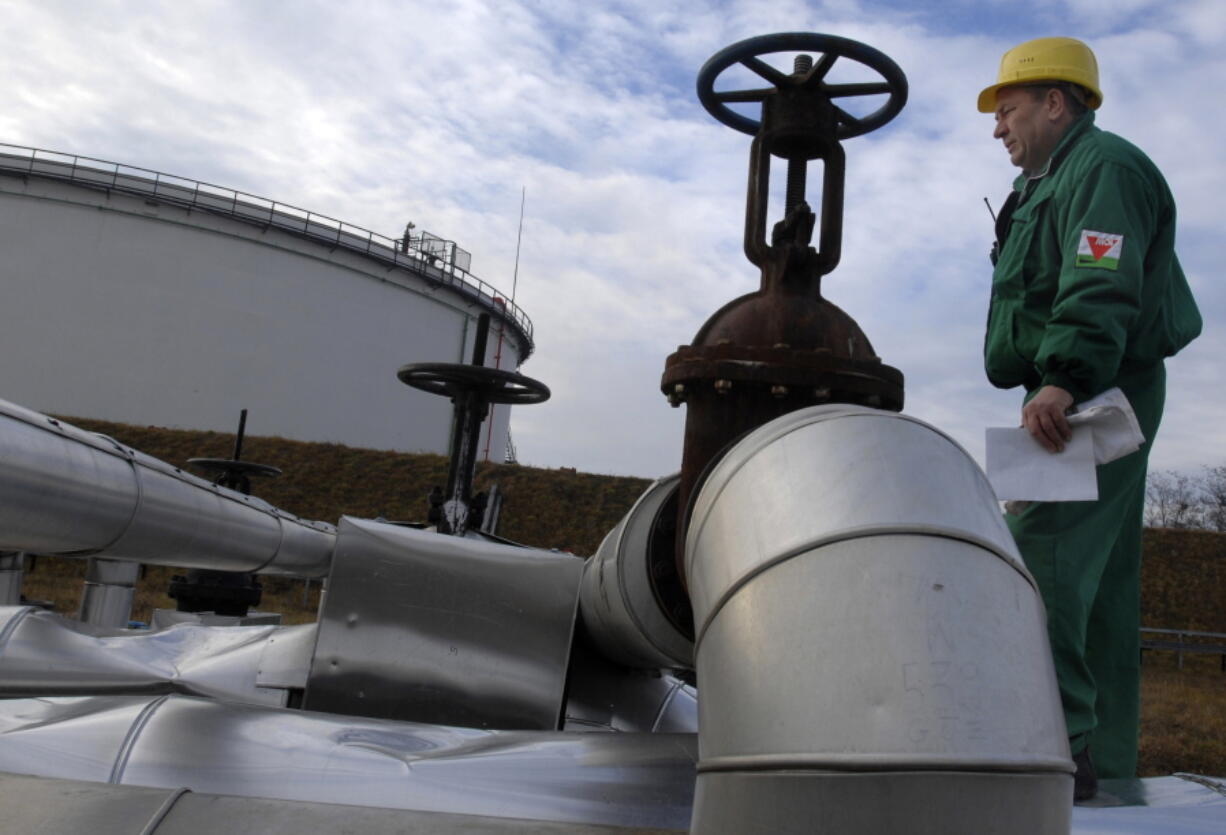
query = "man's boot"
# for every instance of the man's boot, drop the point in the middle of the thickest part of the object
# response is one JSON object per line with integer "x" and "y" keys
{"x": 1085, "y": 781}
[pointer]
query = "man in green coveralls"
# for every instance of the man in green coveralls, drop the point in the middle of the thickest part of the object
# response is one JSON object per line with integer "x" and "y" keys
{"x": 1087, "y": 294}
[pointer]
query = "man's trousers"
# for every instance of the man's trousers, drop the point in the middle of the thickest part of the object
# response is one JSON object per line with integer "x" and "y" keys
{"x": 1086, "y": 558}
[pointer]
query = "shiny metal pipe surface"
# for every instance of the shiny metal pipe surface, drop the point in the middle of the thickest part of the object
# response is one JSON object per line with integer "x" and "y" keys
{"x": 619, "y": 607}
{"x": 604, "y": 696}
{"x": 69, "y": 492}
{"x": 856, "y": 562}
{"x": 632, "y": 780}
{"x": 663, "y": 704}
{"x": 45, "y": 654}
{"x": 110, "y": 586}
{"x": 447, "y": 629}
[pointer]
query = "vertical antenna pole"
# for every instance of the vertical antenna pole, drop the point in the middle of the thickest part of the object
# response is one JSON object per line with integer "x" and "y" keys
{"x": 519, "y": 236}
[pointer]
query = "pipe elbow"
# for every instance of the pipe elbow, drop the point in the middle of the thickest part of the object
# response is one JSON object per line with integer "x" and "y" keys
{"x": 867, "y": 637}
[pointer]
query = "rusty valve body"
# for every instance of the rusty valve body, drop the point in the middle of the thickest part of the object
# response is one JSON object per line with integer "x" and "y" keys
{"x": 783, "y": 347}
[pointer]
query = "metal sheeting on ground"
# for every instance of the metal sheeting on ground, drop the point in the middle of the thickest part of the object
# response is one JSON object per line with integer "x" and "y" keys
{"x": 207, "y": 746}
{"x": 41, "y": 806}
{"x": 1175, "y": 805}
{"x": 1182, "y": 804}
{"x": 44, "y": 654}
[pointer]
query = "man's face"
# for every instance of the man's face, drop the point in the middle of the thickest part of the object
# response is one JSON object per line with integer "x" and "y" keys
{"x": 1025, "y": 124}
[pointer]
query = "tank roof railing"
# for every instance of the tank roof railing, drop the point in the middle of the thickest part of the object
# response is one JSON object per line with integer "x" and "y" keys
{"x": 113, "y": 176}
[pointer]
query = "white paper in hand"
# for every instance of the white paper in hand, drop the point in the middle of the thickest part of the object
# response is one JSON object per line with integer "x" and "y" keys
{"x": 1116, "y": 431}
{"x": 1019, "y": 468}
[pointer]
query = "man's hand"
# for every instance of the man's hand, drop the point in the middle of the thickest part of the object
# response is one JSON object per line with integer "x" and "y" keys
{"x": 1044, "y": 417}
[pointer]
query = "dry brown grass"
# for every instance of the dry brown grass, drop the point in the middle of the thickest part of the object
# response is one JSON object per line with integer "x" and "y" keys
{"x": 1183, "y": 715}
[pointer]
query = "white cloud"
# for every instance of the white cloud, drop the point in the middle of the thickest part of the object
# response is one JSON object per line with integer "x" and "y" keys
{"x": 381, "y": 112}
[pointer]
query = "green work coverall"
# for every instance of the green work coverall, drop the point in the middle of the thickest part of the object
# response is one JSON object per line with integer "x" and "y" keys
{"x": 1088, "y": 294}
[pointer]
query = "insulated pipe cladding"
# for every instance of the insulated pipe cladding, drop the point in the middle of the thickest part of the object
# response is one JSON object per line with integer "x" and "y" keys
{"x": 64, "y": 491}
{"x": 871, "y": 651}
{"x": 620, "y": 596}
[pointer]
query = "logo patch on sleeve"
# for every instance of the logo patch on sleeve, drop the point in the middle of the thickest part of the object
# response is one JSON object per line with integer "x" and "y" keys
{"x": 1099, "y": 249}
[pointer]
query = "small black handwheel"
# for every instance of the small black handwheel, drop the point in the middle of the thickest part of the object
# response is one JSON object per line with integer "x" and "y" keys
{"x": 893, "y": 82}
{"x": 494, "y": 384}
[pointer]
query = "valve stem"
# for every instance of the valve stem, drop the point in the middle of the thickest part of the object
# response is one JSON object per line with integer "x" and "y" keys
{"x": 798, "y": 168}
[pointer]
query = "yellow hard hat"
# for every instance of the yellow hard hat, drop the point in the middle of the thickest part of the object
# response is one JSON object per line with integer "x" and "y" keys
{"x": 1046, "y": 59}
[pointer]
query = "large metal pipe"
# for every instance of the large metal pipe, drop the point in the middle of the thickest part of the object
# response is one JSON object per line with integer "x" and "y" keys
{"x": 871, "y": 651}
{"x": 620, "y": 596}
{"x": 68, "y": 492}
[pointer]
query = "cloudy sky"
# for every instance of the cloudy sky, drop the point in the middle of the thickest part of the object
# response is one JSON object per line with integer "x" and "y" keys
{"x": 378, "y": 112}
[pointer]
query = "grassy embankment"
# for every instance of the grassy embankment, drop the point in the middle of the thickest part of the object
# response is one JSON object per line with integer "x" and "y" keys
{"x": 1184, "y": 583}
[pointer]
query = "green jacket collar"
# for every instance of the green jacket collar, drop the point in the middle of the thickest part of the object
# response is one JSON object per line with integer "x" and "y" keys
{"x": 1079, "y": 128}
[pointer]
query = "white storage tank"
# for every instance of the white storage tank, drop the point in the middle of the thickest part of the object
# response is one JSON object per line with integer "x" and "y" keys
{"x": 144, "y": 298}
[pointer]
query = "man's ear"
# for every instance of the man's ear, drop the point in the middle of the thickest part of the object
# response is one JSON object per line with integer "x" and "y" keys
{"x": 1054, "y": 104}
